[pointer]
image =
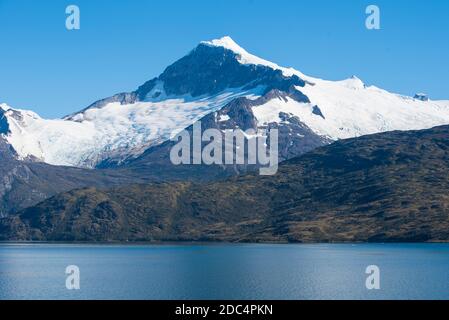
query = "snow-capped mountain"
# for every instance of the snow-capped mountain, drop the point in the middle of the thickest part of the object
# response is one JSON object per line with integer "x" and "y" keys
{"x": 222, "y": 84}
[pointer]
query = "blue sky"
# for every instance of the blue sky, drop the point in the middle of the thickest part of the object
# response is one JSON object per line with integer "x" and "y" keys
{"x": 121, "y": 44}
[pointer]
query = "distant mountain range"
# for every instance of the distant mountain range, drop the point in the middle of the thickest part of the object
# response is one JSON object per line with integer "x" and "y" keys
{"x": 124, "y": 140}
{"x": 380, "y": 188}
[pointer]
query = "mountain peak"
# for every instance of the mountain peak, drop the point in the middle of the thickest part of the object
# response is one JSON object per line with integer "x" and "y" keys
{"x": 228, "y": 43}
{"x": 215, "y": 66}
{"x": 4, "y": 107}
{"x": 353, "y": 82}
{"x": 244, "y": 57}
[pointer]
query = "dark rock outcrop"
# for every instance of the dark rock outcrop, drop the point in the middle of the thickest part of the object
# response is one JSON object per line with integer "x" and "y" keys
{"x": 317, "y": 111}
{"x": 4, "y": 126}
{"x": 295, "y": 138}
{"x": 209, "y": 70}
{"x": 421, "y": 97}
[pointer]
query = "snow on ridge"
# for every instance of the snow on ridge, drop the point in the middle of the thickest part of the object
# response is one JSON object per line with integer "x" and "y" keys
{"x": 351, "y": 109}
{"x": 247, "y": 58}
{"x": 4, "y": 106}
{"x": 9, "y": 110}
{"x": 352, "y": 83}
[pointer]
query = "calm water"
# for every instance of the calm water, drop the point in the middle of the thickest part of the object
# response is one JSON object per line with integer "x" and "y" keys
{"x": 337, "y": 271}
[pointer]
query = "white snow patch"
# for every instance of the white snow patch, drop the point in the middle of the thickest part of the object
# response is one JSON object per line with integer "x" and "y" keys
{"x": 223, "y": 118}
{"x": 4, "y": 106}
{"x": 351, "y": 110}
{"x": 112, "y": 130}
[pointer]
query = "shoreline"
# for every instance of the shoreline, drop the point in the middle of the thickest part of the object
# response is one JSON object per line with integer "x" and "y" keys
{"x": 209, "y": 243}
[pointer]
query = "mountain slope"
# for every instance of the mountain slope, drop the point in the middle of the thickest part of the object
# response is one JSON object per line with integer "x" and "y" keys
{"x": 26, "y": 183}
{"x": 294, "y": 137}
{"x": 384, "y": 187}
{"x": 211, "y": 77}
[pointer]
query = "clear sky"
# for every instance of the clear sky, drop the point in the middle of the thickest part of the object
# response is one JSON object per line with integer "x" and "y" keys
{"x": 121, "y": 44}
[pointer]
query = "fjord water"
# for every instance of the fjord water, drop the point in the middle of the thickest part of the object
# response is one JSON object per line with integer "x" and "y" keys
{"x": 320, "y": 271}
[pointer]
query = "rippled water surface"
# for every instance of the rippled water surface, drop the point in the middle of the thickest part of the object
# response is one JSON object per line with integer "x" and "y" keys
{"x": 322, "y": 271}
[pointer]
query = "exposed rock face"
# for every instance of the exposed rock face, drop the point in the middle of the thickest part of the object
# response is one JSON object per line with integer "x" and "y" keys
{"x": 421, "y": 97}
{"x": 210, "y": 70}
{"x": 4, "y": 126}
{"x": 295, "y": 138}
{"x": 316, "y": 110}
